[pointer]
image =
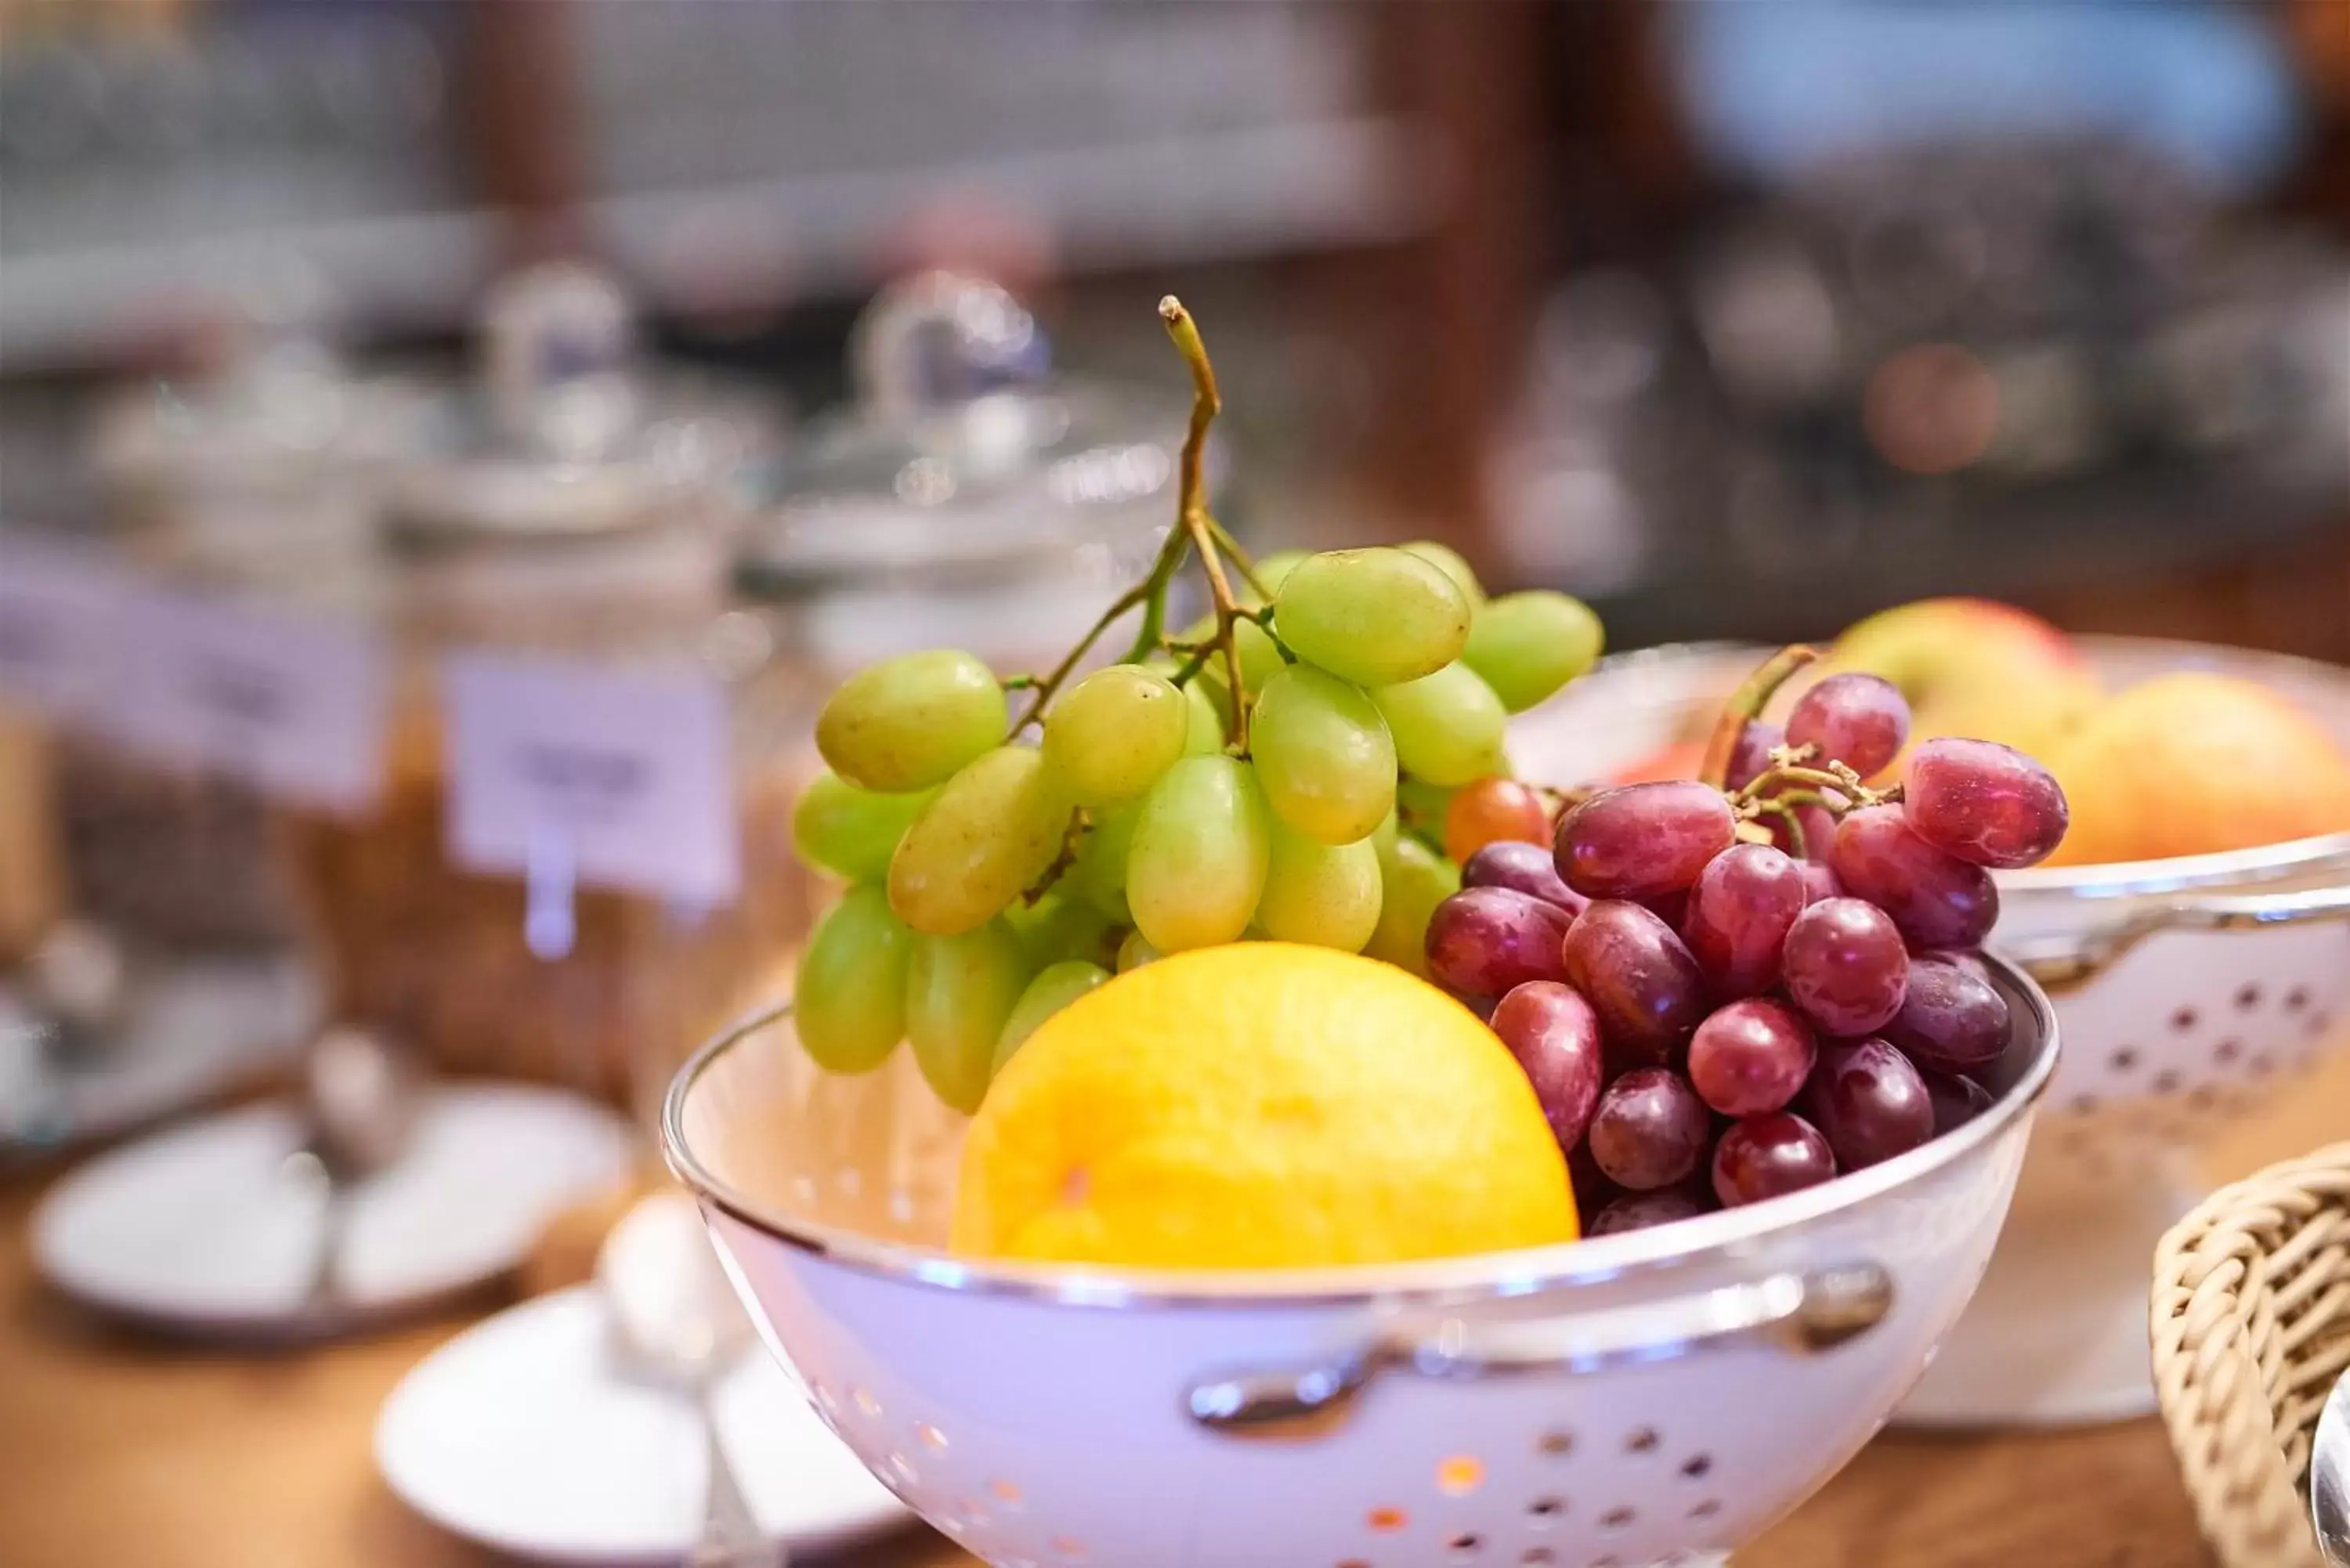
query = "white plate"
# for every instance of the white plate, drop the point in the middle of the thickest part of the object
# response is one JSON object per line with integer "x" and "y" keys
{"x": 199, "y": 1228}
{"x": 519, "y": 1435}
{"x": 196, "y": 1027}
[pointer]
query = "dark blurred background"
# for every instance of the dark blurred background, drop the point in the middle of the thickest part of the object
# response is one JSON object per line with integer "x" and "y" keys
{"x": 1736, "y": 320}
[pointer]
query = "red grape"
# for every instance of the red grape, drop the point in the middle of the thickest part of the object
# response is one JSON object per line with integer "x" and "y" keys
{"x": 1938, "y": 899}
{"x": 1486, "y": 941}
{"x": 1957, "y": 1101}
{"x": 1860, "y": 721}
{"x": 1739, "y": 913}
{"x": 1640, "y": 1211}
{"x": 1643, "y": 840}
{"x": 1868, "y": 1101}
{"x": 1845, "y": 966}
{"x": 1750, "y": 1057}
{"x": 1647, "y": 991}
{"x": 1526, "y": 867}
{"x": 1987, "y": 803}
{"x": 1952, "y": 1020}
{"x": 1764, "y": 1156}
{"x": 1751, "y": 754}
{"x": 1650, "y": 1130}
{"x": 1490, "y": 810}
{"x": 1819, "y": 876}
{"x": 1554, "y": 1035}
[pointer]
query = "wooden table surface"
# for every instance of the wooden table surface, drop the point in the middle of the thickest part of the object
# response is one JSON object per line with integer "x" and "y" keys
{"x": 115, "y": 1450}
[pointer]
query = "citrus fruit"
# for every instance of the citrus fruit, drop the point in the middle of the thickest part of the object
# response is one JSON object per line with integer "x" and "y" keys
{"x": 1261, "y": 1105}
{"x": 2195, "y": 762}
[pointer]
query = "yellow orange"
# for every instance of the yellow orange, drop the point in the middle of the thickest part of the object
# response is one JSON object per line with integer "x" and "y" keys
{"x": 1261, "y": 1105}
{"x": 2194, "y": 763}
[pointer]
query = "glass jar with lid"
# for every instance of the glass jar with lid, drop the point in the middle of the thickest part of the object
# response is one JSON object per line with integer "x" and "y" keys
{"x": 968, "y": 497}
{"x": 264, "y": 459}
{"x": 561, "y": 863}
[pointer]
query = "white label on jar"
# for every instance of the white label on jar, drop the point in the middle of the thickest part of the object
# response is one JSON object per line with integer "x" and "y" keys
{"x": 622, "y": 777}
{"x": 60, "y": 611}
{"x": 294, "y": 706}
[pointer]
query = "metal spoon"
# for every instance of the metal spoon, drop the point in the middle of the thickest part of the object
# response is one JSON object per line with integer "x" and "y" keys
{"x": 677, "y": 1326}
{"x": 362, "y": 1097}
{"x": 2329, "y": 1477}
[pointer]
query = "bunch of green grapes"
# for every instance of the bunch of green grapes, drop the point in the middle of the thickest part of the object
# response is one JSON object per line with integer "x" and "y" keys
{"x": 1001, "y": 868}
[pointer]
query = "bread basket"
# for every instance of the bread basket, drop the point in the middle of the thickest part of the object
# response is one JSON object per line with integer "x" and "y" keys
{"x": 2251, "y": 1325}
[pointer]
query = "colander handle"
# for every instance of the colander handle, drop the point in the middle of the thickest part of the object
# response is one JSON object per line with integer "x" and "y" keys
{"x": 1800, "y": 1314}
{"x": 2076, "y": 959}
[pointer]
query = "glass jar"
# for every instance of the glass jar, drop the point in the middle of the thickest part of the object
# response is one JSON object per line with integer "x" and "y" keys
{"x": 968, "y": 498}
{"x": 267, "y": 464}
{"x": 569, "y": 547}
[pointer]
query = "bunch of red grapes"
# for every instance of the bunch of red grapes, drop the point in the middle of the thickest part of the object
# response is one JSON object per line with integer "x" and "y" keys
{"x": 1710, "y": 1021}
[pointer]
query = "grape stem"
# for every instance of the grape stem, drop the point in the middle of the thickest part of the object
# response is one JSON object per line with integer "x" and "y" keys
{"x": 1753, "y": 810}
{"x": 1192, "y": 512}
{"x": 1194, "y": 529}
{"x": 1072, "y": 837}
{"x": 1746, "y": 705}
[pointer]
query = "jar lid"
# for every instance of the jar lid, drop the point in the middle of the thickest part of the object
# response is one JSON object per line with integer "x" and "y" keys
{"x": 269, "y": 403}
{"x": 963, "y": 454}
{"x": 569, "y": 435}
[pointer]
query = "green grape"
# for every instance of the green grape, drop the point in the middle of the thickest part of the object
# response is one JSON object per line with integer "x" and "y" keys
{"x": 1136, "y": 951}
{"x": 988, "y": 834}
{"x": 1453, "y": 565}
{"x": 1100, "y": 871}
{"x": 1274, "y": 570}
{"x": 852, "y": 832}
{"x": 1205, "y": 735}
{"x": 1062, "y": 924}
{"x": 1384, "y": 836}
{"x": 959, "y": 991}
{"x": 1374, "y": 617}
{"x": 1053, "y": 989}
{"x": 1325, "y": 895}
{"x": 1113, "y": 732}
{"x": 1260, "y": 657}
{"x": 1526, "y": 646}
{"x": 1197, "y": 865}
{"x": 1424, "y": 804}
{"x": 1322, "y": 755}
{"x": 1447, "y": 726}
{"x": 1414, "y": 880}
{"x": 908, "y": 722}
{"x": 850, "y": 1002}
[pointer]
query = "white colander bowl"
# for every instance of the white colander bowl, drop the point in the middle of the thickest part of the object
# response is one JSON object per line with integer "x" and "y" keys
{"x": 1657, "y": 1397}
{"x": 2189, "y": 989}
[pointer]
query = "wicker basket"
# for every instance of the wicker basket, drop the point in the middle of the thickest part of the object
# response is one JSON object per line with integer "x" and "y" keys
{"x": 2251, "y": 1320}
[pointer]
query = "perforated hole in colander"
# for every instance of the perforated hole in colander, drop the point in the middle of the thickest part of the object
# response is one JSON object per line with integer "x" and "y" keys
{"x": 2124, "y": 1060}
{"x": 1696, "y": 1467}
{"x": 2248, "y": 996}
{"x": 2183, "y": 1021}
{"x": 2165, "y": 1082}
{"x": 1704, "y": 1508}
{"x": 929, "y": 1437}
{"x": 1460, "y": 1475}
{"x": 1641, "y": 1441}
{"x": 1006, "y": 1495}
{"x": 1464, "y": 1546}
{"x": 1557, "y": 1444}
{"x": 1538, "y": 1557}
{"x": 1067, "y": 1548}
{"x": 1620, "y": 1517}
{"x": 2227, "y": 1050}
{"x": 2296, "y": 999}
{"x": 1387, "y": 1520}
{"x": 1545, "y": 1511}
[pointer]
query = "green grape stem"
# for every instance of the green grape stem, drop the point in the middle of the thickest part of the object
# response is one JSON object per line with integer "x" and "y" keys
{"x": 1784, "y": 810}
{"x": 1073, "y": 839}
{"x": 1194, "y": 529}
